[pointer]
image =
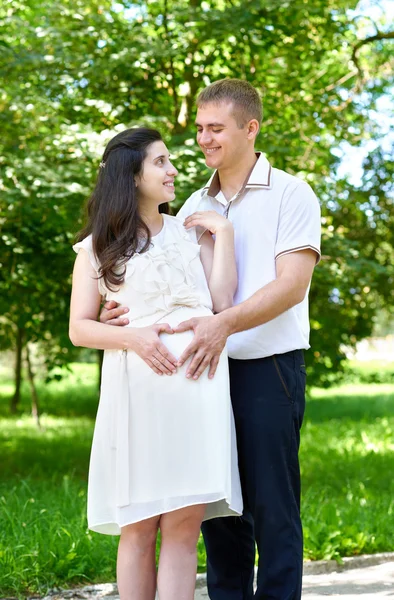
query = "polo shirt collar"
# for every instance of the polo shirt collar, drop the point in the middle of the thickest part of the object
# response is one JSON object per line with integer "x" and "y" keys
{"x": 259, "y": 177}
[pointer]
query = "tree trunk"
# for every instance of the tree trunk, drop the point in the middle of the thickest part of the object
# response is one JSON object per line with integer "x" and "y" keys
{"x": 18, "y": 371}
{"x": 33, "y": 390}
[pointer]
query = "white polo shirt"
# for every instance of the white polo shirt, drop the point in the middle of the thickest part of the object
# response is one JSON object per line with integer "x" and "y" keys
{"x": 273, "y": 214}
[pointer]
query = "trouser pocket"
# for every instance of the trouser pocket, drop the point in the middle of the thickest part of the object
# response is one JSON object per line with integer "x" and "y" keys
{"x": 281, "y": 377}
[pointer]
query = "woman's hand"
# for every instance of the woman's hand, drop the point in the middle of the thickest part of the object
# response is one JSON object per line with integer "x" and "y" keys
{"x": 145, "y": 342}
{"x": 208, "y": 219}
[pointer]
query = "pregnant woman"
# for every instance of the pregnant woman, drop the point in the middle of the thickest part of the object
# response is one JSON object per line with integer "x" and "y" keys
{"x": 163, "y": 454}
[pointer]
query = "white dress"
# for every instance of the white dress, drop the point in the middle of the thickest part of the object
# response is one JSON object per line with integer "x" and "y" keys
{"x": 161, "y": 442}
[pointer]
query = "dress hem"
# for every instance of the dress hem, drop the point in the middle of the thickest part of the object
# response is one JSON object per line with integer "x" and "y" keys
{"x": 111, "y": 526}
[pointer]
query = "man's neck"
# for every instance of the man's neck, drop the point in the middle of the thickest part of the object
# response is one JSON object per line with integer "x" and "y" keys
{"x": 232, "y": 180}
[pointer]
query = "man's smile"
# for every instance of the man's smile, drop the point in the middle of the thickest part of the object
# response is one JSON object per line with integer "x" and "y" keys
{"x": 211, "y": 150}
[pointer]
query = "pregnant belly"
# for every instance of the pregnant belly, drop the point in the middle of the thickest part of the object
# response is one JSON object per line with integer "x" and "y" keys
{"x": 177, "y": 342}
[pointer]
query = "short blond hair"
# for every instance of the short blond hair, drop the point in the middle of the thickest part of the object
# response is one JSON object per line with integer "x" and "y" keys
{"x": 244, "y": 97}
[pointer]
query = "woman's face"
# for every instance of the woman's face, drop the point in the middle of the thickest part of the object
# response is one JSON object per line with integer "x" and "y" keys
{"x": 155, "y": 184}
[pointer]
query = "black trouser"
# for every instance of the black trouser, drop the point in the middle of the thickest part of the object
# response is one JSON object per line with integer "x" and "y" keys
{"x": 268, "y": 398}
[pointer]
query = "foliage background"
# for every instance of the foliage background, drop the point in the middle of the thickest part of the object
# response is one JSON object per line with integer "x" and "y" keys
{"x": 76, "y": 72}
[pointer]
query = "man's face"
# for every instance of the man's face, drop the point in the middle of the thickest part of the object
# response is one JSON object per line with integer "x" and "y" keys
{"x": 219, "y": 136}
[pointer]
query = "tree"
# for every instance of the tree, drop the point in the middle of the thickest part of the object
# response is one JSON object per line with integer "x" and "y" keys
{"x": 91, "y": 68}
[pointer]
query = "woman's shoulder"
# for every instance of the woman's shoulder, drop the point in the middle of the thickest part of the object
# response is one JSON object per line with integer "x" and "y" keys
{"x": 177, "y": 226}
{"x": 84, "y": 244}
{"x": 174, "y": 221}
{"x": 87, "y": 245}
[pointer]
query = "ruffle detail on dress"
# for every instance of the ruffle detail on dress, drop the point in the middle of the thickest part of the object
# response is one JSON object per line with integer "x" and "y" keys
{"x": 162, "y": 273}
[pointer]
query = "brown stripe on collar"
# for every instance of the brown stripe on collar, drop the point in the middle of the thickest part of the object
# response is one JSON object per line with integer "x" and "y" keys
{"x": 214, "y": 186}
{"x": 259, "y": 185}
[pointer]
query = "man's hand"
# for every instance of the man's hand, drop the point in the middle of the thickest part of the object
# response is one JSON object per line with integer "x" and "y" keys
{"x": 208, "y": 219}
{"x": 147, "y": 344}
{"x": 210, "y": 335}
{"x": 112, "y": 313}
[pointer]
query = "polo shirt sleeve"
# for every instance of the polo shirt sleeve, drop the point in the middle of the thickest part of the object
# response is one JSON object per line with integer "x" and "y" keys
{"x": 299, "y": 222}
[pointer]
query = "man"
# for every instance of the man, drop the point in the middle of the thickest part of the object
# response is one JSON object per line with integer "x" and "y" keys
{"x": 276, "y": 218}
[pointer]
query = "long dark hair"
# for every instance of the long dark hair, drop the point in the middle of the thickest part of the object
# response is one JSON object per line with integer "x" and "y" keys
{"x": 113, "y": 218}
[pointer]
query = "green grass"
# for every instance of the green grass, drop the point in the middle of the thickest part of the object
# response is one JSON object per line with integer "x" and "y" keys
{"x": 373, "y": 371}
{"x": 74, "y": 395}
{"x": 347, "y": 459}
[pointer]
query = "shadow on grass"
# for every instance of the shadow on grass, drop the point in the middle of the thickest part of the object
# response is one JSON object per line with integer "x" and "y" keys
{"x": 347, "y": 487}
{"x": 337, "y": 471}
{"x": 76, "y": 394}
{"x": 62, "y": 446}
{"x": 355, "y": 408}
{"x": 347, "y": 503}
